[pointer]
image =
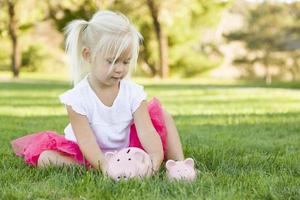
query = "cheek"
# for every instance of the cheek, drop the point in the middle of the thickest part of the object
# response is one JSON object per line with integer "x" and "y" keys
{"x": 100, "y": 71}
{"x": 126, "y": 71}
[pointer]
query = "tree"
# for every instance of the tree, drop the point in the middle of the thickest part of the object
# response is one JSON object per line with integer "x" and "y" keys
{"x": 269, "y": 37}
{"x": 171, "y": 29}
{"x": 161, "y": 37}
{"x": 172, "y": 32}
{"x": 62, "y": 12}
{"x": 12, "y": 29}
{"x": 17, "y": 21}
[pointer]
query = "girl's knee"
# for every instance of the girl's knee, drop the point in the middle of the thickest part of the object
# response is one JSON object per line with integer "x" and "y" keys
{"x": 166, "y": 114}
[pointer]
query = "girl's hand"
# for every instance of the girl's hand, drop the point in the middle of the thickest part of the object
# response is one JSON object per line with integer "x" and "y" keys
{"x": 155, "y": 165}
{"x": 150, "y": 170}
{"x": 104, "y": 167}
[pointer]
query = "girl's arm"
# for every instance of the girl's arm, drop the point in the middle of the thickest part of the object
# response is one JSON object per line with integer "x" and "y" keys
{"x": 148, "y": 136}
{"x": 86, "y": 140}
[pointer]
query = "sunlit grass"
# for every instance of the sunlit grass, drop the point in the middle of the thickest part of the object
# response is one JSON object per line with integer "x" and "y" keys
{"x": 245, "y": 138}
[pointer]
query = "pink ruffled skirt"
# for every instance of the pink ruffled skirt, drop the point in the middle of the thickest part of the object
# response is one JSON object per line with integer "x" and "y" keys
{"x": 31, "y": 146}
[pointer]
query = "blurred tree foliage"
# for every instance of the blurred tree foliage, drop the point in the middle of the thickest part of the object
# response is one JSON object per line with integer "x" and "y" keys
{"x": 171, "y": 29}
{"x": 15, "y": 23}
{"x": 272, "y": 38}
{"x": 182, "y": 21}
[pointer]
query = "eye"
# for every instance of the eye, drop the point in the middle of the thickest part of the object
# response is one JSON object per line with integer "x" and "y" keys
{"x": 109, "y": 61}
{"x": 118, "y": 160}
{"x": 129, "y": 158}
{"x": 119, "y": 177}
{"x": 126, "y": 62}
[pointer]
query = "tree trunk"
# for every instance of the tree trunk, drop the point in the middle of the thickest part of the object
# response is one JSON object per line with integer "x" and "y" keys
{"x": 147, "y": 66}
{"x": 15, "y": 56}
{"x": 295, "y": 67}
{"x": 268, "y": 75}
{"x": 162, "y": 39}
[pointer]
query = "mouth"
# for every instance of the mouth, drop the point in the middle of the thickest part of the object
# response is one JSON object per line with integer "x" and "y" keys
{"x": 116, "y": 77}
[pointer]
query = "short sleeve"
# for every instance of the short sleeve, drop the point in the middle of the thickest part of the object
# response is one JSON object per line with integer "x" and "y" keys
{"x": 137, "y": 96}
{"x": 73, "y": 99}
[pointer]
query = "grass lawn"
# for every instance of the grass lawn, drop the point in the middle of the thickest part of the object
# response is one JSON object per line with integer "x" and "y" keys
{"x": 244, "y": 137}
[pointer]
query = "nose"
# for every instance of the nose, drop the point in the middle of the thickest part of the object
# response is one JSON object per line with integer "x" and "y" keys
{"x": 119, "y": 68}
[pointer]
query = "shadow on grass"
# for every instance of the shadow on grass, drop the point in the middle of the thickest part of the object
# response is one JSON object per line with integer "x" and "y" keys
{"x": 282, "y": 117}
{"x": 51, "y": 102}
{"x": 34, "y": 85}
{"x": 29, "y": 101}
{"x": 45, "y": 85}
{"x": 23, "y": 100}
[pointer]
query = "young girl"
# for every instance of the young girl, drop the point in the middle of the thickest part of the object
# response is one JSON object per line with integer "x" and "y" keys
{"x": 107, "y": 111}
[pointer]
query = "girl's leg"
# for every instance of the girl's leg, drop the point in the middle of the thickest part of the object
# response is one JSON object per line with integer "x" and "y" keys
{"x": 174, "y": 147}
{"x": 51, "y": 157}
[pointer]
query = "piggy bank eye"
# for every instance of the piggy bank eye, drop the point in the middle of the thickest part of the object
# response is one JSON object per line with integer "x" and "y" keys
{"x": 129, "y": 158}
{"x": 119, "y": 177}
{"x": 118, "y": 160}
{"x": 124, "y": 176}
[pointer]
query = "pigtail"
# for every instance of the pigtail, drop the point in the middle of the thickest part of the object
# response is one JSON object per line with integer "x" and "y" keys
{"x": 73, "y": 47}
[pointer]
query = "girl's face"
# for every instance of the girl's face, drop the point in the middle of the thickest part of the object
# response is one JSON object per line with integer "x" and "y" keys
{"x": 108, "y": 74}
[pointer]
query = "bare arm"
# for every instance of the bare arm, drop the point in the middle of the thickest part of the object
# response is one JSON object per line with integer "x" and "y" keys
{"x": 148, "y": 136}
{"x": 86, "y": 139}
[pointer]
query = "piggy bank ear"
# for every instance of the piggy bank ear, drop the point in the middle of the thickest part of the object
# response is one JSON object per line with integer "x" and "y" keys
{"x": 139, "y": 156}
{"x": 170, "y": 164}
{"x": 189, "y": 162}
{"x": 109, "y": 155}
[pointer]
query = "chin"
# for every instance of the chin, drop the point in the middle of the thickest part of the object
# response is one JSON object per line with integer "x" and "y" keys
{"x": 113, "y": 82}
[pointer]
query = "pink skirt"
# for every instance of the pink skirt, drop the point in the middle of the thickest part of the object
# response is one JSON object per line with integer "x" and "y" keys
{"x": 31, "y": 146}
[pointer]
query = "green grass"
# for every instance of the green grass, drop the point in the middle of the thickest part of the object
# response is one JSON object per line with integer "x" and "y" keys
{"x": 245, "y": 138}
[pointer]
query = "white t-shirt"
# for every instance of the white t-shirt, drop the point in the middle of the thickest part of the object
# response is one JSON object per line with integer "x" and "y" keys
{"x": 111, "y": 125}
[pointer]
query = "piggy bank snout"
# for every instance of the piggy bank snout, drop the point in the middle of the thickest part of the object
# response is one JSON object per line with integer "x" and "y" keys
{"x": 186, "y": 172}
{"x": 122, "y": 176}
{"x": 122, "y": 172}
{"x": 182, "y": 171}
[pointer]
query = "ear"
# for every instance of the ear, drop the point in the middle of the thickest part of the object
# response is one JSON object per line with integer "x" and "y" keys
{"x": 86, "y": 54}
{"x": 139, "y": 156}
{"x": 109, "y": 155}
{"x": 189, "y": 162}
{"x": 170, "y": 164}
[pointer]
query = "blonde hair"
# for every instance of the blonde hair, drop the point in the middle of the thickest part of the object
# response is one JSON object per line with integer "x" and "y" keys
{"x": 107, "y": 31}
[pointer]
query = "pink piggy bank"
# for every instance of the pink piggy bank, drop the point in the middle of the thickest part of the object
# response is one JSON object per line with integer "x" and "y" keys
{"x": 181, "y": 170}
{"x": 128, "y": 163}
